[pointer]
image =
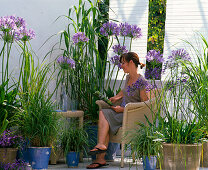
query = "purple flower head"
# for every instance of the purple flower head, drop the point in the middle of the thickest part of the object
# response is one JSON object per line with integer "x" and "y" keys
{"x": 179, "y": 54}
{"x": 136, "y": 32}
{"x": 66, "y": 62}
{"x": 109, "y": 28}
{"x": 131, "y": 31}
{"x": 153, "y": 73}
{"x": 25, "y": 35}
{"x": 116, "y": 60}
{"x": 125, "y": 29}
{"x": 153, "y": 55}
{"x": 119, "y": 49}
{"x": 79, "y": 37}
{"x": 139, "y": 84}
{"x": 176, "y": 55}
{"x": 17, "y": 165}
{"x": 8, "y": 139}
{"x": 7, "y": 23}
{"x": 14, "y": 28}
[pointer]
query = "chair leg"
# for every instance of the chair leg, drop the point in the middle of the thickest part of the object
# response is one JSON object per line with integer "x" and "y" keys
{"x": 133, "y": 157}
{"x": 122, "y": 155}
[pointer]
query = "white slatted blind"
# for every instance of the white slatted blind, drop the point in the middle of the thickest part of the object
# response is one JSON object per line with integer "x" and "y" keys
{"x": 133, "y": 12}
{"x": 183, "y": 19}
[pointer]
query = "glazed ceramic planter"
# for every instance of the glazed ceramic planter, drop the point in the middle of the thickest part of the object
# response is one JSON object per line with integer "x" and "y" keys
{"x": 149, "y": 163}
{"x": 181, "y": 156}
{"x": 204, "y": 156}
{"x": 39, "y": 157}
{"x": 8, "y": 155}
{"x": 72, "y": 159}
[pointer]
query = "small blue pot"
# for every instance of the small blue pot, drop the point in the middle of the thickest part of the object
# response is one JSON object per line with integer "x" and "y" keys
{"x": 72, "y": 159}
{"x": 39, "y": 157}
{"x": 149, "y": 163}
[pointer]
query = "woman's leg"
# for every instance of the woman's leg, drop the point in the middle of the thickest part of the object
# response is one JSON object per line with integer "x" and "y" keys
{"x": 103, "y": 139}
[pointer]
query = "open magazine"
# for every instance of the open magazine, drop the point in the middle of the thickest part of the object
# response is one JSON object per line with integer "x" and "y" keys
{"x": 102, "y": 97}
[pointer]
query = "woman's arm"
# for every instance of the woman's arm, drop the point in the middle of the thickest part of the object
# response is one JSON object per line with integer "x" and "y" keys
{"x": 143, "y": 95}
{"x": 116, "y": 97}
{"x": 118, "y": 109}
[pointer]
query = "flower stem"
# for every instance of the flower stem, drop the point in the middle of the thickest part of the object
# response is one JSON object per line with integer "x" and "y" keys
{"x": 130, "y": 44}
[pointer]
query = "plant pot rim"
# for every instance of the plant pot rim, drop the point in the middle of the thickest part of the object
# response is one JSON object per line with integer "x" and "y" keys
{"x": 10, "y": 148}
{"x": 181, "y": 144}
{"x": 39, "y": 147}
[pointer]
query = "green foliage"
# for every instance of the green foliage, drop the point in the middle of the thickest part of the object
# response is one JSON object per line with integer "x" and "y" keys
{"x": 37, "y": 121}
{"x": 156, "y": 26}
{"x": 90, "y": 61}
{"x": 73, "y": 138}
{"x": 178, "y": 124}
{"x": 181, "y": 131}
{"x": 8, "y": 105}
{"x": 145, "y": 140}
{"x": 197, "y": 79}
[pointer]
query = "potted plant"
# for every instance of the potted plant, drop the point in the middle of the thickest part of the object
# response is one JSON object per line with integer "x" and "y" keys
{"x": 73, "y": 140}
{"x": 197, "y": 87}
{"x": 182, "y": 131}
{"x": 145, "y": 143}
{"x": 9, "y": 143}
{"x": 37, "y": 120}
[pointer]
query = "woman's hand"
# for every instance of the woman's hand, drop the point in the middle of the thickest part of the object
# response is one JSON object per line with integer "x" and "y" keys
{"x": 114, "y": 99}
{"x": 118, "y": 109}
{"x": 117, "y": 97}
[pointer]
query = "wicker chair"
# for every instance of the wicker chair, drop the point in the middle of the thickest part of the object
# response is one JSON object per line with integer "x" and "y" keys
{"x": 133, "y": 113}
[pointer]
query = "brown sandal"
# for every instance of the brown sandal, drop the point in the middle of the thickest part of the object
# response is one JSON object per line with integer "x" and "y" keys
{"x": 95, "y": 167}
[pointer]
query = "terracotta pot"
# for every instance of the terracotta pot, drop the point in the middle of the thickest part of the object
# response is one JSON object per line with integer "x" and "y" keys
{"x": 204, "y": 156}
{"x": 181, "y": 156}
{"x": 55, "y": 156}
{"x": 8, "y": 155}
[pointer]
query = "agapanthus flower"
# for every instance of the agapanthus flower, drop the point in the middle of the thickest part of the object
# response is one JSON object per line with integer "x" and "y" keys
{"x": 26, "y": 35}
{"x": 139, "y": 84}
{"x": 153, "y": 73}
{"x": 173, "y": 59}
{"x": 66, "y": 62}
{"x": 132, "y": 31}
{"x": 119, "y": 49}
{"x": 8, "y": 139}
{"x": 109, "y": 28}
{"x": 116, "y": 60}
{"x": 79, "y": 37}
{"x": 180, "y": 54}
{"x": 17, "y": 165}
{"x": 14, "y": 28}
{"x": 172, "y": 84}
{"x": 153, "y": 55}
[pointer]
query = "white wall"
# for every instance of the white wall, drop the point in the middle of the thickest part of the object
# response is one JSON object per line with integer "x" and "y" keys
{"x": 183, "y": 19}
{"x": 132, "y": 12}
{"x": 40, "y": 15}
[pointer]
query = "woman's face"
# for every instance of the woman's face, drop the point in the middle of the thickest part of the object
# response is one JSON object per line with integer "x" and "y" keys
{"x": 125, "y": 66}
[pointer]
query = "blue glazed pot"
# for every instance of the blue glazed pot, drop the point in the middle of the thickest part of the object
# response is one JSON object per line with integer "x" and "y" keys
{"x": 92, "y": 138}
{"x": 39, "y": 157}
{"x": 149, "y": 163}
{"x": 111, "y": 152}
{"x": 72, "y": 159}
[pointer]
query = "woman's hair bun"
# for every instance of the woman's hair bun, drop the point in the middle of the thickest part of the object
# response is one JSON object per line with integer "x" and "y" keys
{"x": 142, "y": 65}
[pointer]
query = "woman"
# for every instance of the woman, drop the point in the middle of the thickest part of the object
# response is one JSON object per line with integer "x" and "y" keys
{"x": 110, "y": 120}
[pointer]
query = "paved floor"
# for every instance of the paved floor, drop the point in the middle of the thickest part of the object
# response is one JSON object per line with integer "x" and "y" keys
{"x": 129, "y": 165}
{"x": 112, "y": 165}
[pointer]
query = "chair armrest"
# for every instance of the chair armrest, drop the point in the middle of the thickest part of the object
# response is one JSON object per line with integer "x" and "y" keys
{"x": 102, "y": 104}
{"x": 134, "y": 112}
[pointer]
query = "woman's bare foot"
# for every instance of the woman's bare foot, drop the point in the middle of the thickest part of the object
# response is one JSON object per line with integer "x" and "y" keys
{"x": 99, "y": 146}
